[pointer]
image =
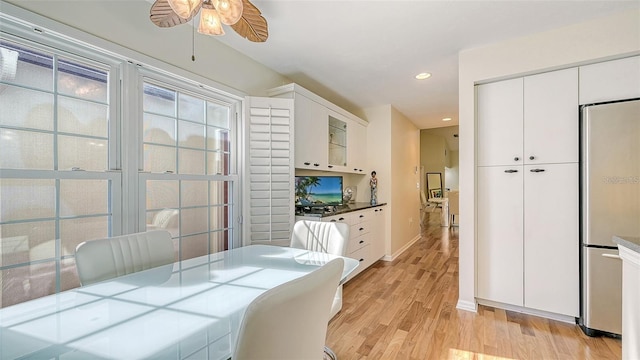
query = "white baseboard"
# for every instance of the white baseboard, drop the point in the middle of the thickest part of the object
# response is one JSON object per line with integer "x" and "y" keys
{"x": 467, "y": 306}
{"x": 545, "y": 314}
{"x": 401, "y": 250}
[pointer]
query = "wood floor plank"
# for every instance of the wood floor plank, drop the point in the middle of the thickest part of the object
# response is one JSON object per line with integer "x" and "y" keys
{"x": 405, "y": 309}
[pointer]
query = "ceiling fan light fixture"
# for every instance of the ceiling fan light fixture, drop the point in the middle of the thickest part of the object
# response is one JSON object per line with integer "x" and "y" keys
{"x": 183, "y": 8}
{"x": 230, "y": 10}
{"x": 210, "y": 22}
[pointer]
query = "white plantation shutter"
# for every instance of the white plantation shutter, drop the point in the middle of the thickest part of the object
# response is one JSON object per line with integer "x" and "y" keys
{"x": 269, "y": 207}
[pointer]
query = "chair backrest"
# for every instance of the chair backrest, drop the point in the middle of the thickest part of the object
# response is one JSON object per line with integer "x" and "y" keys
{"x": 454, "y": 200}
{"x": 327, "y": 237}
{"x": 290, "y": 321}
{"x": 103, "y": 259}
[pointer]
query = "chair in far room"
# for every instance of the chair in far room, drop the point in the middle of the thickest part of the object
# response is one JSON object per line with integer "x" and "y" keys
{"x": 290, "y": 321}
{"x": 103, "y": 259}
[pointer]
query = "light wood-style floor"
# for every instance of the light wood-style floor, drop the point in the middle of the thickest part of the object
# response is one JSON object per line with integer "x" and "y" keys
{"x": 406, "y": 309}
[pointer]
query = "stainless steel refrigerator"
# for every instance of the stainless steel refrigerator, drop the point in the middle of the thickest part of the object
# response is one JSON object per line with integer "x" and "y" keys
{"x": 610, "y": 205}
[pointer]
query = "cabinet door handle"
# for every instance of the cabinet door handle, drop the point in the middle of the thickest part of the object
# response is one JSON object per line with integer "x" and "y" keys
{"x": 361, "y": 229}
{"x": 341, "y": 219}
{"x": 330, "y": 166}
{"x": 516, "y": 158}
{"x": 361, "y": 216}
{"x": 361, "y": 241}
{"x": 316, "y": 164}
{"x": 355, "y": 169}
{"x": 334, "y": 220}
{"x": 511, "y": 171}
{"x": 307, "y": 163}
{"x": 536, "y": 170}
{"x": 361, "y": 260}
{"x": 531, "y": 157}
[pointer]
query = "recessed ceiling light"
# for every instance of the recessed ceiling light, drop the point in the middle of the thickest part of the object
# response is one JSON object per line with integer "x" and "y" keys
{"x": 423, "y": 76}
{"x": 446, "y": 119}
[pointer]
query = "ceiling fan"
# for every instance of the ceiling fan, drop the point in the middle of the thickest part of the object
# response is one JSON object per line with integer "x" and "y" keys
{"x": 241, "y": 15}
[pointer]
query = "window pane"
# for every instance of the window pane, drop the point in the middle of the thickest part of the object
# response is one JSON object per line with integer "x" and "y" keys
{"x": 219, "y": 192}
{"x": 191, "y": 108}
{"x": 84, "y": 197}
{"x": 191, "y": 162}
{"x": 167, "y": 219}
{"x": 159, "y": 158}
{"x": 219, "y": 217}
{"x": 193, "y": 221}
{"x": 218, "y": 115}
{"x": 191, "y": 135}
{"x": 24, "y": 242}
{"x": 217, "y": 139}
{"x": 218, "y": 163}
{"x": 82, "y": 117}
{"x": 75, "y": 231}
{"x": 26, "y": 150}
{"x": 219, "y": 241}
{"x": 194, "y": 246}
{"x": 84, "y": 153}
{"x": 194, "y": 193}
{"x": 82, "y": 81}
{"x": 159, "y": 100}
{"x": 26, "y": 108}
{"x": 22, "y": 199}
{"x": 27, "y": 67}
{"x": 27, "y": 282}
{"x": 162, "y": 194}
{"x": 159, "y": 129}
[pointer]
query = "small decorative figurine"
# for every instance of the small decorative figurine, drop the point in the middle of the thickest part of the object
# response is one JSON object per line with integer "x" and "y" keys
{"x": 373, "y": 183}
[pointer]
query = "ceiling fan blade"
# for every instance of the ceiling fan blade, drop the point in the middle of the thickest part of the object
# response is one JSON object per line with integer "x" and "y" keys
{"x": 162, "y": 15}
{"x": 251, "y": 25}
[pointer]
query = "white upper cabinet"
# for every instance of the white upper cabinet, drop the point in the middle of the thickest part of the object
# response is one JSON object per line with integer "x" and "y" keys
{"x": 357, "y": 150}
{"x": 327, "y": 137}
{"x": 610, "y": 81}
{"x": 551, "y": 117}
{"x": 500, "y": 123}
{"x": 311, "y": 134}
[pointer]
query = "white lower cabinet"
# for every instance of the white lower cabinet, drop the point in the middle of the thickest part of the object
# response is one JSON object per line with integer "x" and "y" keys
{"x": 366, "y": 235}
{"x": 528, "y": 236}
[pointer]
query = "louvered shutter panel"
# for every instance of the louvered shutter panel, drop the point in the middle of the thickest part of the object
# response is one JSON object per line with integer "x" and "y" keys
{"x": 269, "y": 195}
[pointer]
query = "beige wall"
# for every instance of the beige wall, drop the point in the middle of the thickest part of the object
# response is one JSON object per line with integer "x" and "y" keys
{"x": 433, "y": 148}
{"x": 394, "y": 152}
{"x": 452, "y": 172}
{"x": 606, "y": 38}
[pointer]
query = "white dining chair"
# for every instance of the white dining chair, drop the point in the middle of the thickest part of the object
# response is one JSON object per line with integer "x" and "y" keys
{"x": 103, "y": 259}
{"x": 290, "y": 321}
{"x": 326, "y": 237}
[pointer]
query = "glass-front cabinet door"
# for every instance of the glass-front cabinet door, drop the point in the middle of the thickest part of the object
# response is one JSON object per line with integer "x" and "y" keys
{"x": 337, "y": 142}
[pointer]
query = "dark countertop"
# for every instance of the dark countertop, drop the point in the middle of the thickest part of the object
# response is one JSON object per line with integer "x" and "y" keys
{"x": 630, "y": 242}
{"x": 337, "y": 210}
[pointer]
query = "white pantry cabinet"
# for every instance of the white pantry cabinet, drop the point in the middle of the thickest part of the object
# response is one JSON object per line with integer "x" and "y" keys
{"x": 527, "y": 177}
{"x": 357, "y": 151}
{"x": 500, "y": 263}
{"x": 551, "y": 251}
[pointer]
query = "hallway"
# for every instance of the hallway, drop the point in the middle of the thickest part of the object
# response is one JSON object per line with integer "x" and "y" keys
{"x": 406, "y": 309}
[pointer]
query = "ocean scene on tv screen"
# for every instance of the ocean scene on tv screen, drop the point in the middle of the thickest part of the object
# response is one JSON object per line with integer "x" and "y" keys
{"x": 318, "y": 190}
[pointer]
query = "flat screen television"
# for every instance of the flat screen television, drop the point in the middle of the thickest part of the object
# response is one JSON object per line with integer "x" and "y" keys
{"x": 315, "y": 191}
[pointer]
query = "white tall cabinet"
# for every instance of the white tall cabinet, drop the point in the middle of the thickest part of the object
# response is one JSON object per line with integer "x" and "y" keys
{"x": 527, "y": 171}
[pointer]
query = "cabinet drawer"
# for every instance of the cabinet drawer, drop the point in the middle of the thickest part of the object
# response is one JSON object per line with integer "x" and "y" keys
{"x": 359, "y": 229}
{"x": 361, "y": 216}
{"x": 343, "y": 218}
{"x": 358, "y": 242}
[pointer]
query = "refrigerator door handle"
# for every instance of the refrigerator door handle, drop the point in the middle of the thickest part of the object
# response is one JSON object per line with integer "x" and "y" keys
{"x": 612, "y": 256}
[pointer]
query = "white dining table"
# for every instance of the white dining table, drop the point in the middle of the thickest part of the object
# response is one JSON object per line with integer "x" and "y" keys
{"x": 191, "y": 309}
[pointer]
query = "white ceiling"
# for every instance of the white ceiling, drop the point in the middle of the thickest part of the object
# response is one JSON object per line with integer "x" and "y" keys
{"x": 366, "y": 53}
